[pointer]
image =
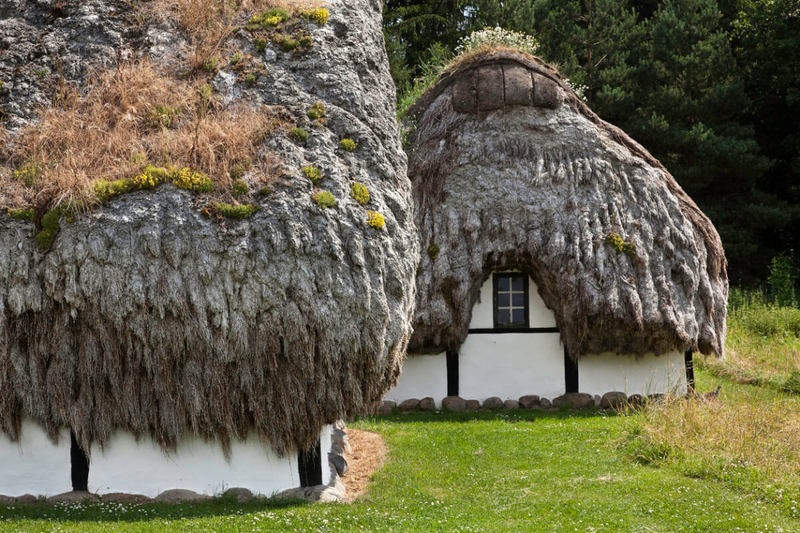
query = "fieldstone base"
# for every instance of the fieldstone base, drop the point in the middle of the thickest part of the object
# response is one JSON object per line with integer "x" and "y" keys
{"x": 75, "y": 496}
{"x": 122, "y": 497}
{"x": 571, "y": 400}
{"x": 181, "y": 496}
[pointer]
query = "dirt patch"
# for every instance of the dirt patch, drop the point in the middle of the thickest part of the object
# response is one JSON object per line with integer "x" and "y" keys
{"x": 367, "y": 456}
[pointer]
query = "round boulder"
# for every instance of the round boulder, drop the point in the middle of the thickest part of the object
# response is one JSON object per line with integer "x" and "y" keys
{"x": 427, "y": 405}
{"x": 574, "y": 400}
{"x": 387, "y": 407}
{"x": 613, "y": 400}
{"x": 511, "y": 404}
{"x": 412, "y": 404}
{"x": 454, "y": 403}
{"x": 545, "y": 403}
{"x": 181, "y": 496}
{"x": 493, "y": 403}
{"x": 529, "y": 401}
{"x": 74, "y": 496}
{"x": 241, "y": 494}
{"x": 125, "y": 498}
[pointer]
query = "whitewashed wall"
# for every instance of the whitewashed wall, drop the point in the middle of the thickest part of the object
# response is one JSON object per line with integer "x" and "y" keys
{"x": 510, "y": 365}
{"x": 35, "y": 465}
{"x": 325, "y": 443}
{"x": 125, "y": 465}
{"x": 423, "y": 376}
{"x": 649, "y": 374}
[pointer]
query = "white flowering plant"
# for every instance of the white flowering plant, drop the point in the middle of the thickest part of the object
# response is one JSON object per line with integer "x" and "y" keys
{"x": 497, "y": 36}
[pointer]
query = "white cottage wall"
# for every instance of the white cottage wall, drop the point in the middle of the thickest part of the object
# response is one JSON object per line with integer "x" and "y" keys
{"x": 35, "y": 465}
{"x": 325, "y": 443}
{"x": 141, "y": 467}
{"x": 510, "y": 365}
{"x": 648, "y": 374}
{"x": 423, "y": 376}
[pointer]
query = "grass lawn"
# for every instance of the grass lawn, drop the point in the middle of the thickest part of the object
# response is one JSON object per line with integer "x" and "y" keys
{"x": 505, "y": 471}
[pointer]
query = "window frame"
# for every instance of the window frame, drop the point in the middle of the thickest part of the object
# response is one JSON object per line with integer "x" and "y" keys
{"x": 526, "y": 299}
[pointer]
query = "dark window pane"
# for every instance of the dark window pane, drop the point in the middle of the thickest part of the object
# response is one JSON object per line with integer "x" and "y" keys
{"x": 518, "y": 299}
{"x": 502, "y": 299}
{"x": 502, "y": 283}
{"x": 516, "y": 283}
{"x": 519, "y": 316}
{"x": 503, "y": 316}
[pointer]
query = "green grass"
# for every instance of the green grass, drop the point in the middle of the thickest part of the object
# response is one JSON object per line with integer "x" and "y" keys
{"x": 727, "y": 465}
{"x": 520, "y": 471}
{"x": 763, "y": 346}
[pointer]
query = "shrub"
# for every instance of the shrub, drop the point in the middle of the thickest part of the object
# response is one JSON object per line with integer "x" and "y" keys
{"x": 306, "y": 41}
{"x": 145, "y": 180}
{"x": 260, "y": 44}
{"x": 22, "y": 214}
{"x": 210, "y": 64}
{"x": 317, "y": 111}
{"x": 348, "y": 145}
{"x": 236, "y": 57}
{"x": 621, "y": 245}
{"x": 192, "y": 180}
{"x": 287, "y": 42}
{"x": 313, "y": 173}
{"x": 237, "y": 212}
{"x": 319, "y": 15}
{"x": 240, "y": 188}
{"x": 238, "y": 170}
{"x": 268, "y": 19}
{"x": 250, "y": 78}
{"x": 51, "y": 223}
{"x": 299, "y": 134}
{"x": 161, "y": 116}
{"x": 792, "y": 383}
{"x": 497, "y": 37}
{"x": 106, "y": 190}
{"x": 375, "y": 219}
{"x": 360, "y": 193}
{"x": 324, "y": 199}
{"x": 781, "y": 280}
{"x": 28, "y": 174}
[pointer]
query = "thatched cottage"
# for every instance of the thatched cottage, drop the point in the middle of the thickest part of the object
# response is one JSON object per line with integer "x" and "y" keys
{"x": 174, "y": 338}
{"x": 557, "y": 254}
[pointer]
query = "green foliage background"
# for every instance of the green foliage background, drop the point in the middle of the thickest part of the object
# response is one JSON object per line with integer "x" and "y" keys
{"x": 710, "y": 87}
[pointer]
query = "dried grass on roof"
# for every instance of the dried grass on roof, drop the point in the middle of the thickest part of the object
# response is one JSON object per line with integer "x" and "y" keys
{"x": 130, "y": 117}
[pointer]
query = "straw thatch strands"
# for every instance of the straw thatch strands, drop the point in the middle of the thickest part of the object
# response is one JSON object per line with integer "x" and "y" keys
{"x": 150, "y": 318}
{"x": 512, "y": 171}
{"x": 561, "y": 256}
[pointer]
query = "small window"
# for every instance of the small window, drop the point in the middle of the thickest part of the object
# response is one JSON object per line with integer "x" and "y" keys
{"x": 510, "y": 300}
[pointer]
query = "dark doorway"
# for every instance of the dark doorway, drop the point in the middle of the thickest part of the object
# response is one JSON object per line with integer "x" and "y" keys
{"x": 80, "y": 465}
{"x": 309, "y": 463}
{"x": 570, "y": 372}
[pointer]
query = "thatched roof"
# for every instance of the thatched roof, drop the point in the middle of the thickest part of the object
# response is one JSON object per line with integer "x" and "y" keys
{"x": 511, "y": 170}
{"x": 149, "y": 316}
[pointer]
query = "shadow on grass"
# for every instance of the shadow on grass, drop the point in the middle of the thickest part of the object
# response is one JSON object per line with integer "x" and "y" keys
{"x": 119, "y": 513}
